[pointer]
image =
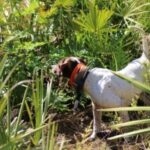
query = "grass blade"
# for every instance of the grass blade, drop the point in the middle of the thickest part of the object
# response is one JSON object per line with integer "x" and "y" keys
{"x": 2, "y": 64}
{"x": 134, "y": 82}
{"x": 21, "y": 137}
{"x": 131, "y": 123}
{"x": 129, "y": 134}
{"x": 21, "y": 110}
{"x": 9, "y": 75}
{"x": 139, "y": 108}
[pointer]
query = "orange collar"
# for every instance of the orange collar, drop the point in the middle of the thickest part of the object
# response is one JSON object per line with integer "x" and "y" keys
{"x": 74, "y": 73}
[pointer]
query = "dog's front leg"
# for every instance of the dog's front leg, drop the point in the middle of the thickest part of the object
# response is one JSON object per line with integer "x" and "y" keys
{"x": 96, "y": 122}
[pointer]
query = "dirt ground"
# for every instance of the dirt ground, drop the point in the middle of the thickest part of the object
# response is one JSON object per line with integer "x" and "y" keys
{"x": 75, "y": 128}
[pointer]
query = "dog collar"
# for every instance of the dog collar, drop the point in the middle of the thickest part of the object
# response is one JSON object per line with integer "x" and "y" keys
{"x": 78, "y": 84}
{"x": 74, "y": 73}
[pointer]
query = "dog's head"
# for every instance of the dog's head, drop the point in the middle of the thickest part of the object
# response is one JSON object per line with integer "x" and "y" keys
{"x": 66, "y": 66}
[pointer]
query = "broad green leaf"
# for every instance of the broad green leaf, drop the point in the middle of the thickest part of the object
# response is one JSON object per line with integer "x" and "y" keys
{"x": 95, "y": 20}
{"x": 31, "y": 8}
{"x": 132, "y": 10}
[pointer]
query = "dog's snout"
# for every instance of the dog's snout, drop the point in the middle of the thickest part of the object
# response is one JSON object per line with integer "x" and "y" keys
{"x": 56, "y": 70}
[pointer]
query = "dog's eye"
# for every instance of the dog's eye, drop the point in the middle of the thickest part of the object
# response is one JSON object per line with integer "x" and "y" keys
{"x": 64, "y": 68}
{"x": 59, "y": 66}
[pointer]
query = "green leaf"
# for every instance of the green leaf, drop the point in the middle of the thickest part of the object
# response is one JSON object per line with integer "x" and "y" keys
{"x": 31, "y": 8}
{"x": 131, "y": 123}
{"x": 136, "y": 83}
{"x": 139, "y": 108}
{"x": 130, "y": 134}
{"x": 64, "y": 3}
{"x": 20, "y": 137}
{"x": 94, "y": 21}
{"x": 2, "y": 64}
{"x": 9, "y": 75}
{"x": 30, "y": 45}
{"x": 131, "y": 11}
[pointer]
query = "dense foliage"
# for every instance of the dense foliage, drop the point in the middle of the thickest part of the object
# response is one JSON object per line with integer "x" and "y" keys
{"x": 41, "y": 32}
{"x": 35, "y": 34}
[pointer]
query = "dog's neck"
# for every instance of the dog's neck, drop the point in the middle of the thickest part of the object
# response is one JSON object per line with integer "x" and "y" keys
{"x": 78, "y": 76}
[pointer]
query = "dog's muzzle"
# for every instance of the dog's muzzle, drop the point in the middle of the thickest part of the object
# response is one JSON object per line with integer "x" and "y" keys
{"x": 56, "y": 70}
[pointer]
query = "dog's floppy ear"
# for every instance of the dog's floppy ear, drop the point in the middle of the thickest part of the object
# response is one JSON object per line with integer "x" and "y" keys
{"x": 62, "y": 66}
{"x": 62, "y": 63}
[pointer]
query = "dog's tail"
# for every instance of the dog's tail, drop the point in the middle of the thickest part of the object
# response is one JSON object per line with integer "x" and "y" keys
{"x": 146, "y": 45}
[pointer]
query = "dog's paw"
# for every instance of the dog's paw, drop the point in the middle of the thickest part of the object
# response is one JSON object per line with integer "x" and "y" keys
{"x": 92, "y": 137}
{"x": 102, "y": 134}
{"x": 89, "y": 139}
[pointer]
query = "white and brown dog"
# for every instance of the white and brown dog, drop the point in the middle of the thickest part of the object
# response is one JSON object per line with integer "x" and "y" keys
{"x": 105, "y": 88}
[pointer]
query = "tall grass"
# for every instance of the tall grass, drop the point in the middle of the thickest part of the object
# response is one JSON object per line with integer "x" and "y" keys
{"x": 40, "y": 33}
{"x": 15, "y": 133}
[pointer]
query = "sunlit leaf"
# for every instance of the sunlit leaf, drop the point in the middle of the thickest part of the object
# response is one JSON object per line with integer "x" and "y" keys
{"x": 31, "y": 8}
{"x": 95, "y": 20}
{"x": 131, "y": 123}
{"x": 64, "y": 3}
{"x": 130, "y": 134}
{"x": 30, "y": 45}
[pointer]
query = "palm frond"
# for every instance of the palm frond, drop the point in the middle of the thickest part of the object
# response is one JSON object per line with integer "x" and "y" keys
{"x": 95, "y": 20}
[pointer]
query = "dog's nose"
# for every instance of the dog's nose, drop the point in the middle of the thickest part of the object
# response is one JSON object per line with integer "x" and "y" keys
{"x": 55, "y": 72}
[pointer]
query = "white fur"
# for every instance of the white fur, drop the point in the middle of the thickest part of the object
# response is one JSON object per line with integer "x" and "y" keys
{"x": 108, "y": 90}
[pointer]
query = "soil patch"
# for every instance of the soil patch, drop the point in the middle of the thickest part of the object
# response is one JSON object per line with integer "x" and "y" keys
{"x": 75, "y": 128}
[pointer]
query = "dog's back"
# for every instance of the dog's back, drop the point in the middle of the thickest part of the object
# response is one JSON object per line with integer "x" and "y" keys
{"x": 137, "y": 68}
{"x": 108, "y": 90}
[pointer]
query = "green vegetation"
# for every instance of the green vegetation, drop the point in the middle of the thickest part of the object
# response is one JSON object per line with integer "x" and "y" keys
{"x": 34, "y": 35}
